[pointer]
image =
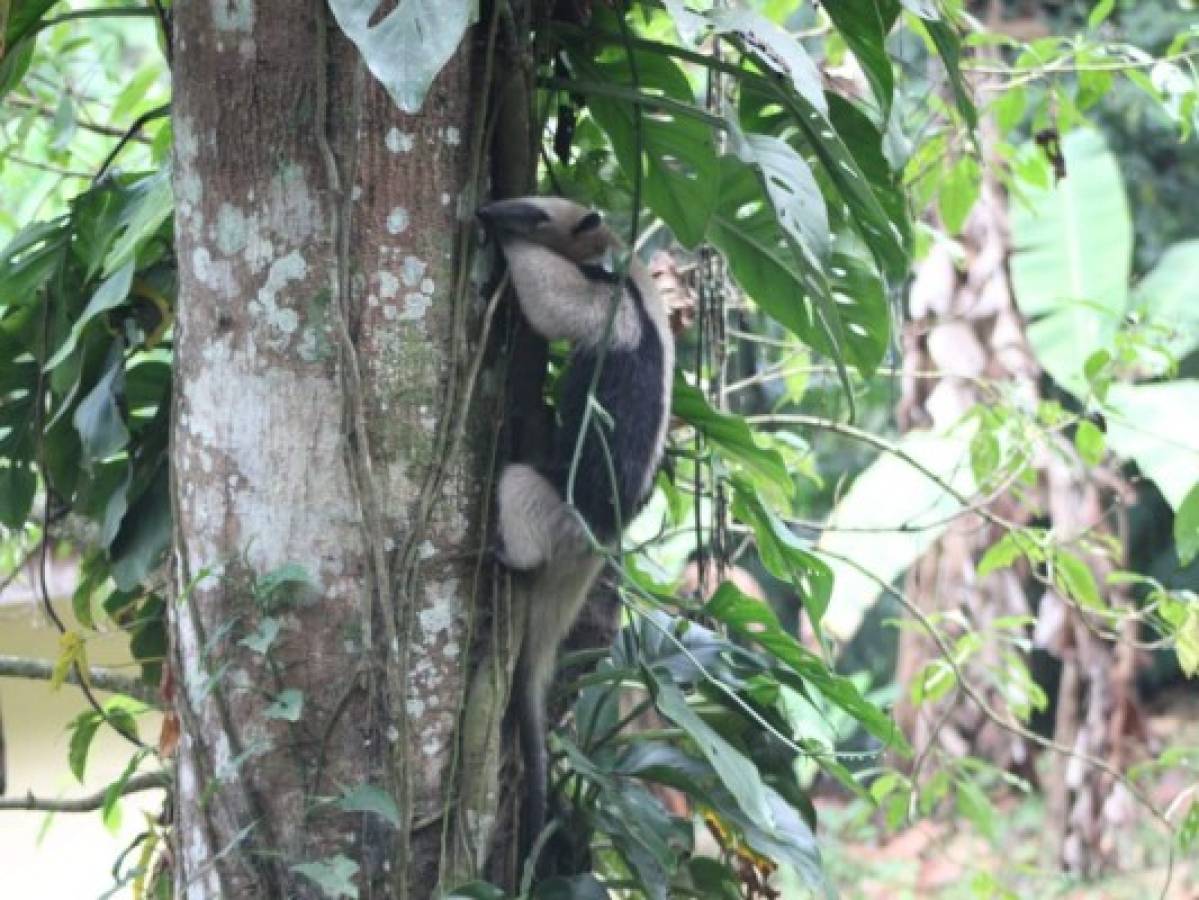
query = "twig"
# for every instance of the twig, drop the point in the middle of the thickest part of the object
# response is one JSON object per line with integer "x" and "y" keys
{"x": 873, "y": 440}
{"x": 45, "y": 167}
{"x": 1009, "y": 725}
{"x": 48, "y": 113}
{"x": 149, "y": 781}
{"x": 156, "y": 113}
{"x": 104, "y": 679}
{"x": 116, "y": 12}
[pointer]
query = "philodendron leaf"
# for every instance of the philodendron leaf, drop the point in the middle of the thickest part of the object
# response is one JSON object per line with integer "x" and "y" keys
{"x": 111, "y": 293}
{"x": 98, "y": 417}
{"x": 733, "y": 438}
{"x": 864, "y": 25}
{"x": 334, "y": 875}
{"x": 368, "y": 798}
{"x": 755, "y": 621}
{"x": 778, "y": 51}
{"x": 736, "y": 771}
{"x": 409, "y": 46}
{"x": 681, "y": 174}
{"x": 288, "y": 705}
{"x": 792, "y": 188}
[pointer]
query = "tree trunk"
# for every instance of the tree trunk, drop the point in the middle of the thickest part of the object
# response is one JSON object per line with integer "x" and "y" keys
{"x": 322, "y": 363}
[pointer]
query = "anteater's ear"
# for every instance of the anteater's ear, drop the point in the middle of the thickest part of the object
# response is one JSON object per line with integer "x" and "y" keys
{"x": 589, "y": 222}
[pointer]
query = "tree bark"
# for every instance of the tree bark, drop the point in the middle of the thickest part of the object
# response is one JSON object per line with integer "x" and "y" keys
{"x": 322, "y": 363}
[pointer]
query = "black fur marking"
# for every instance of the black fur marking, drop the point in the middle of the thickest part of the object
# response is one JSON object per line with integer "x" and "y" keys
{"x": 594, "y": 272}
{"x": 587, "y": 223}
{"x": 514, "y": 216}
{"x": 630, "y": 388}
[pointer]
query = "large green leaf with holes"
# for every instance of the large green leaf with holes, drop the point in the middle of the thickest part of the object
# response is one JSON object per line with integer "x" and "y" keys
{"x": 680, "y": 170}
{"x": 846, "y": 318}
{"x": 406, "y": 48}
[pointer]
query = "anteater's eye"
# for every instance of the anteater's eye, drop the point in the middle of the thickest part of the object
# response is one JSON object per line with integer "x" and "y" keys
{"x": 587, "y": 223}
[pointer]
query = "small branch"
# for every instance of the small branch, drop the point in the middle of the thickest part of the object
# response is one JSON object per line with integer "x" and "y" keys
{"x": 873, "y": 440}
{"x": 116, "y": 12}
{"x": 621, "y": 92}
{"x": 149, "y": 781}
{"x": 104, "y": 679}
{"x": 48, "y": 113}
{"x": 45, "y": 167}
{"x": 1008, "y": 723}
{"x": 138, "y": 124}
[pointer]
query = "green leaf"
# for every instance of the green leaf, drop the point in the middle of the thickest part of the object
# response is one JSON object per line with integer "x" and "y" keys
{"x": 1145, "y": 424}
{"x": 784, "y": 554}
{"x": 110, "y": 810}
{"x": 776, "y": 50}
{"x": 1186, "y": 641}
{"x": 677, "y": 154}
{"x": 334, "y": 875}
{"x": 14, "y": 63}
{"x": 769, "y": 106}
{"x": 949, "y": 47}
{"x": 98, "y": 417}
{"x": 1077, "y": 580}
{"x": 144, "y": 535}
{"x": 134, "y": 91}
{"x": 1100, "y": 12}
{"x": 1166, "y": 296}
{"x": 865, "y": 141}
{"x": 1012, "y": 546}
{"x": 24, "y": 18}
{"x": 408, "y": 47}
{"x": 959, "y": 193}
{"x": 756, "y": 621}
{"x": 269, "y": 589}
{"x": 1009, "y": 108}
{"x": 62, "y": 127}
{"x": 1189, "y": 830}
{"x": 736, "y": 772}
{"x": 112, "y": 292}
{"x": 83, "y": 730}
{"x": 148, "y": 642}
{"x": 932, "y": 682}
{"x": 287, "y": 705}
{"x": 783, "y": 284}
{"x": 263, "y": 637}
{"x": 18, "y": 484}
{"x": 791, "y": 188}
{"x": 785, "y": 837}
{"x": 149, "y": 203}
{"x": 1186, "y": 527}
{"x": 864, "y": 26}
{"x": 732, "y": 436}
{"x": 1090, "y": 443}
{"x": 368, "y": 798}
{"x": 1072, "y": 260}
{"x": 28, "y": 261}
{"x": 975, "y": 806}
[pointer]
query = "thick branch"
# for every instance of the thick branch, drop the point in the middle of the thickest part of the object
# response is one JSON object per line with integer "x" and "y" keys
{"x": 104, "y": 679}
{"x": 149, "y": 781}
